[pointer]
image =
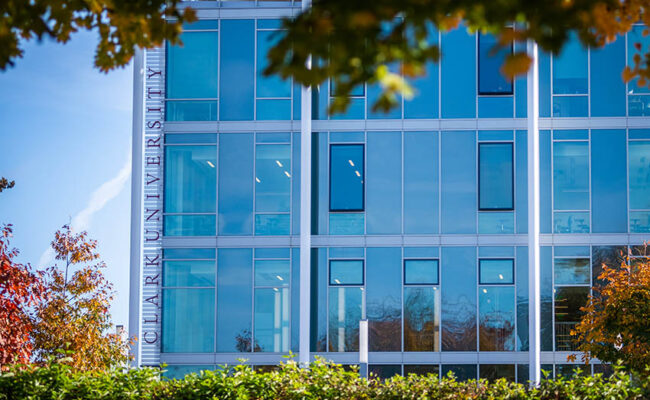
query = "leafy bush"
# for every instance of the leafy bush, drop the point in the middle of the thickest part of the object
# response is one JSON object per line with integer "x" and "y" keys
{"x": 322, "y": 381}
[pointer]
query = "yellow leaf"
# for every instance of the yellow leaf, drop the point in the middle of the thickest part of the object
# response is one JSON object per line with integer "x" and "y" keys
{"x": 515, "y": 64}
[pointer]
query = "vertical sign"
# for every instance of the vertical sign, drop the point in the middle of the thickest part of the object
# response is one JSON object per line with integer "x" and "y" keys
{"x": 152, "y": 221}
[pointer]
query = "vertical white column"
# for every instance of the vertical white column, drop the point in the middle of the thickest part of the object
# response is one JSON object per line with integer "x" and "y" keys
{"x": 305, "y": 218}
{"x": 363, "y": 348}
{"x": 533, "y": 216}
{"x": 136, "y": 203}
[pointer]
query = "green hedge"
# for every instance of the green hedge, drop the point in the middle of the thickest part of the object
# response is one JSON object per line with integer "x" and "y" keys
{"x": 322, "y": 381}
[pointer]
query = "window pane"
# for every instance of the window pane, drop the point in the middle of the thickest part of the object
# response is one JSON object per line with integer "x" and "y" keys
{"x": 189, "y": 225}
{"x": 236, "y": 159}
{"x": 490, "y": 79}
{"x": 572, "y": 270}
{"x": 421, "y": 319}
{"x": 190, "y": 179}
{"x": 384, "y": 371}
{"x": 492, "y": 372}
{"x": 272, "y": 319}
{"x": 496, "y": 271}
{"x": 346, "y": 177}
{"x": 188, "y": 253}
{"x": 348, "y": 272}
{"x": 192, "y": 67}
{"x": 497, "y": 318}
{"x": 421, "y": 182}
{"x": 570, "y": 69}
{"x": 384, "y": 183}
{"x": 639, "y": 175}
{"x": 458, "y": 308}
{"x": 188, "y": 332}
{"x": 384, "y": 298}
{"x": 234, "y": 301}
{"x": 343, "y": 320}
{"x": 568, "y": 301}
{"x": 421, "y": 272}
{"x": 571, "y": 175}
{"x": 237, "y": 90}
{"x": 269, "y": 86}
{"x": 421, "y": 369}
{"x": 272, "y": 224}
{"x": 189, "y": 273}
{"x": 462, "y": 372}
{"x": 633, "y": 37}
{"x": 495, "y": 176}
{"x": 272, "y": 177}
{"x": 272, "y": 273}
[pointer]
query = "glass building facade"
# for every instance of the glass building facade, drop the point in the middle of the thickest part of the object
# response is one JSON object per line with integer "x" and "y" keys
{"x": 418, "y": 216}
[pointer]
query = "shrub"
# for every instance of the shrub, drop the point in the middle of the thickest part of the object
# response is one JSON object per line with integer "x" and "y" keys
{"x": 323, "y": 380}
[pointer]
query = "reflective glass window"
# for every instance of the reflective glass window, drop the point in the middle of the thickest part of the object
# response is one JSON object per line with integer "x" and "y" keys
{"x": 386, "y": 371}
{"x": 496, "y": 176}
{"x": 272, "y": 272}
{"x": 572, "y": 271}
{"x": 384, "y": 298}
{"x": 421, "y": 369}
{"x": 568, "y": 301}
{"x": 237, "y": 80}
{"x": 234, "y": 301}
{"x": 492, "y": 372}
{"x": 269, "y": 86}
{"x": 384, "y": 183}
{"x": 346, "y": 177}
{"x": 183, "y": 253}
{"x": 635, "y": 38}
{"x": 490, "y": 59}
{"x": 271, "y": 320}
{"x": 421, "y": 184}
{"x": 421, "y": 318}
{"x": 496, "y": 271}
{"x": 183, "y": 331}
{"x": 190, "y": 179}
{"x": 236, "y": 184}
{"x": 462, "y": 372}
{"x": 346, "y": 272}
{"x": 570, "y": 69}
{"x": 343, "y": 318}
{"x": 639, "y": 174}
{"x": 189, "y": 225}
{"x": 189, "y": 273}
{"x": 192, "y": 67}
{"x": 421, "y": 272}
{"x": 496, "y": 318}
{"x": 272, "y": 188}
{"x": 459, "y": 302}
{"x": 571, "y": 175}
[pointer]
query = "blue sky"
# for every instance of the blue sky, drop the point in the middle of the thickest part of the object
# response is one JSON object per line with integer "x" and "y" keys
{"x": 65, "y": 138}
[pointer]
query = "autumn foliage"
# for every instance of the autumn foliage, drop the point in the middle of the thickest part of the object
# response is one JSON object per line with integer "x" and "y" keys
{"x": 20, "y": 290}
{"x": 74, "y": 321}
{"x": 57, "y": 313}
{"x": 616, "y": 323}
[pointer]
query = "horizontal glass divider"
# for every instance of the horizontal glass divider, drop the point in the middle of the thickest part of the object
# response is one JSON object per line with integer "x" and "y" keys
{"x": 188, "y": 287}
{"x": 187, "y": 214}
{"x": 190, "y": 144}
{"x": 197, "y": 99}
{"x": 273, "y": 98}
{"x": 570, "y": 94}
{"x": 486, "y": 357}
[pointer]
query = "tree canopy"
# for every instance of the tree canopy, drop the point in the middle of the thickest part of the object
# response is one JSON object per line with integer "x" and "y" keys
{"x": 74, "y": 320}
{"x": 122, "y": 25}
{"x": 356, "y": 42}
{"x": 616, "y": 322}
